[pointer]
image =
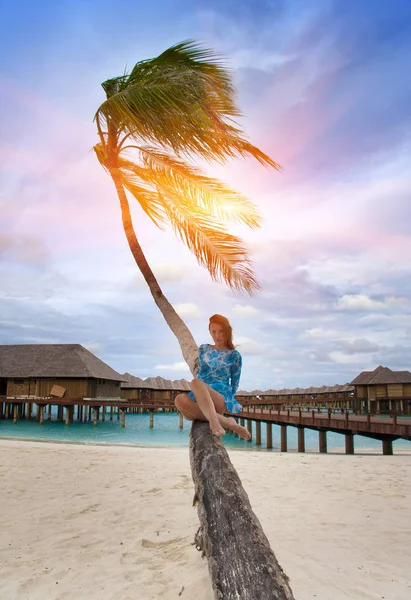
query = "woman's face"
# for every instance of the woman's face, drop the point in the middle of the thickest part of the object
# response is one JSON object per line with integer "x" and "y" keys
{"x": 217, "y": 333}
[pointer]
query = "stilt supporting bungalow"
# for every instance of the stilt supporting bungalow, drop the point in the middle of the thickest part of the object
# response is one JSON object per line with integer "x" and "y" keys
{"x": 151, "y": 419}
{"x": 322, "y": 440}
{"x": 250, "y": 428}
{"x": 349, "y": 443}
{"x": 301, "y": 439}
{"x": 269, "y": 436}
{"x": 15, "y": 414}
{"x": 258, "y": 433}
{"x": 41, "y": 416}
{"x": 283, "y": 438}
{"x": 181, "y": 421}
{"x": 96, "y": 411}
{"x": 123, "y": 417}
{"x": 387, "y": 446}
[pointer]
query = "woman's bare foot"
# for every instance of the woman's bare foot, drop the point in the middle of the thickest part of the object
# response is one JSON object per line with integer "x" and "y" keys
{"x": 242, "y": 431}
{"x": 216, "y": 428}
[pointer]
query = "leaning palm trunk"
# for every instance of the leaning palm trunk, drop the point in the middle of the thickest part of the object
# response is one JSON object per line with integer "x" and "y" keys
{"x": 168, "y": 110}
{"x": 187, "y": 343}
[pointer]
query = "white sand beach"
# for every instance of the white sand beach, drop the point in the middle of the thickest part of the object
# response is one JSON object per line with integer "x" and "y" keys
{"x": 117, "y": 523}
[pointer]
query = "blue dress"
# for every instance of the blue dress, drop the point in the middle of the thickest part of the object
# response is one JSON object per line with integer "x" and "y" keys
{"x": 221, "y": 370}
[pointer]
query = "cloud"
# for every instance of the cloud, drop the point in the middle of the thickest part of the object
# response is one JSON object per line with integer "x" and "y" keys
{"x": 357, "y": 346}
{"x": 168, "y": 271}
{"x": 341, "y": 357}
{"x": 361, "y": 302}
{"x": 178, "y": 366}
{"x": 245, "y": 310}
{"x": 29, "y": 250}
{"x": 188, "y": 310}
{"x": 317, "y": 333}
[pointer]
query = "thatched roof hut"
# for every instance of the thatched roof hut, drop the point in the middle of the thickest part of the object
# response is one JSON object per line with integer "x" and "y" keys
{"x": 33, "y": 369}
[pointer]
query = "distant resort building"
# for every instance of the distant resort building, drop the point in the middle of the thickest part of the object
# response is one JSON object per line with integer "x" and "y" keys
{"x": 384, "y": 390}
{"x": 33, "y": 370}
{"x": 336, "y": 396}
{"x": 152, "y": 389}
{"x": 71, "y": 371}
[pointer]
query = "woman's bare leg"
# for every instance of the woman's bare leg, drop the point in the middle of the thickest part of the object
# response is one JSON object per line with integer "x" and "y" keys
{"x": 206, "y": 405}
{"x": 192, "y": 412}
{"x": 231, "y": 423}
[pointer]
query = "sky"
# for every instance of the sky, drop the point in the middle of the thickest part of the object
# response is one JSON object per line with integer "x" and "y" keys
{"x": 324, "y": 89}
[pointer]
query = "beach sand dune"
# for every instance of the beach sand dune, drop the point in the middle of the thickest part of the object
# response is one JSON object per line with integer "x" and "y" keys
{"x": 105, "y": 522}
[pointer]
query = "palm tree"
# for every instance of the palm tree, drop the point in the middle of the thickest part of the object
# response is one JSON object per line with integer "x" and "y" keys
{"x": 167, "y": 111}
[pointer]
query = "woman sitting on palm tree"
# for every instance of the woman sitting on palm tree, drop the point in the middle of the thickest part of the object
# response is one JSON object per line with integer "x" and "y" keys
{"x": 212, "y": 392}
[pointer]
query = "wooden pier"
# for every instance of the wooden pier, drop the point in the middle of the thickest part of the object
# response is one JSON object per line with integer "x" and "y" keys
{"x": 386, "y": 429}
{"x": 88, "y": 409}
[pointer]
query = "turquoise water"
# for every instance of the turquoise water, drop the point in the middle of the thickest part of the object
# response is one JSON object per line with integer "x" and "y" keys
{"x": 166, "y": 432}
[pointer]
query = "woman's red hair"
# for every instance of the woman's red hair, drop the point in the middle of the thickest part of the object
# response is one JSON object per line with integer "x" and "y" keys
{"x": 227, "y": 329}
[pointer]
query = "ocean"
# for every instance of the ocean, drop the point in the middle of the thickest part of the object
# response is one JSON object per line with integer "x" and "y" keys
{"x": 166, "y": 433}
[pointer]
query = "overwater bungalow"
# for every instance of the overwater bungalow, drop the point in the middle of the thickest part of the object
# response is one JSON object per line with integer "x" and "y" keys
{"x": 384, "y": 390}
{"x": 336, "y": 397}
{"x": 152, "y": 389}
{"x": 65, "y": 370}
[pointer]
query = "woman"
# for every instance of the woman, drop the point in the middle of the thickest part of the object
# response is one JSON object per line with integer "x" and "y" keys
{"x": 212, "y": 393}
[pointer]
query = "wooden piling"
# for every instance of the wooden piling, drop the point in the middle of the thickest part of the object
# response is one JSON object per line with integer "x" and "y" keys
{"x": 283, "y": 437}
{"x": 181, "y": 421}
{"x": 67, "y": 419}
{"x": 28, "y": 410}
{"x": 96, "y": 411}
{"x": 41, "y": 418}
{"x": 322, "y": 440}
{"x": 269, "y": 436}
{"x": 15, "y": 414}
{"x": 387, "y": 447}
{"x": 103, "y": 416}
{"x": 38, "y": 413}
{"x": 111, "y": 413}
{"x": 301, "y": 439}
{"x": 151, "y": 419}
{"x": 349, "y": 443}
{"x": 49, "y": 412}
{"x": 258, "y": 433}
{"x": 250, "y": 428}
{"x": 123, "y": 418}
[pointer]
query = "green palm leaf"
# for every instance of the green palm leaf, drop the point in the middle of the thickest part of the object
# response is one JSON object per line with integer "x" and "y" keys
{"x": 183, "y": 100}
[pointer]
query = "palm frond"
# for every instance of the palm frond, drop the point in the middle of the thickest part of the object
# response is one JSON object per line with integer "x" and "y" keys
{"x": 223, "y": 254}
{"x": 183, "y": 100}
{"x": 193, "y": 187}
{"x": 146, "y": 195}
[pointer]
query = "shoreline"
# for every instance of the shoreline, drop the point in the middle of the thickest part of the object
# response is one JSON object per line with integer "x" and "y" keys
{"x": 257, "y": 450}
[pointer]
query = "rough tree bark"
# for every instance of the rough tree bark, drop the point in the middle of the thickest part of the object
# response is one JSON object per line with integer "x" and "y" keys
{"x": 241, "y": 562}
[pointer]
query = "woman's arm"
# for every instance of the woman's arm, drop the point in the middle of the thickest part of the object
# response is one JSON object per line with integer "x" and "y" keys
{"x": 236, "y": 372}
